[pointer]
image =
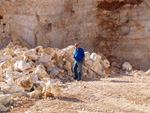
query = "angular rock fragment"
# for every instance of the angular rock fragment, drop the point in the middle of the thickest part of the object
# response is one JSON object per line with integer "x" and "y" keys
{"x": 5, "y": 99}
{"x": 51, "y": 89}
{"x": 87, "y": 56}
{"x": 105, "y": 63}
{"x": 27, "y": 83}
{"x": 95, "y": 57}
{"x": 148, "y": 73}
{"x": 2, "y": 108}
{"x": 127, "y": 66}
{"x": 40, "y": 72}
{"x": 31, "y": 54}
{"x": 21, "y": 65}
{"x": 67, "y": 66}
{"x": 44, "y": 58}
{"x": 36, "y": 94}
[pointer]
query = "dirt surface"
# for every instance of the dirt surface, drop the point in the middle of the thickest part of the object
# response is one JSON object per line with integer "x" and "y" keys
{"x": 121, "y": 94}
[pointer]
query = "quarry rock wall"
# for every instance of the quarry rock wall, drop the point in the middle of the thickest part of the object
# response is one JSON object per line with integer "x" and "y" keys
{"x": 120, "y": 29}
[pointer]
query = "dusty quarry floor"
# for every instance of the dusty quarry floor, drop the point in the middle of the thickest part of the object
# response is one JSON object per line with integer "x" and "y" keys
{"x": 121, "y": 94}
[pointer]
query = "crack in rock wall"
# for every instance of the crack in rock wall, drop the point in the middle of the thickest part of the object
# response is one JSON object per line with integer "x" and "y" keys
{"x": 120, "y": 29}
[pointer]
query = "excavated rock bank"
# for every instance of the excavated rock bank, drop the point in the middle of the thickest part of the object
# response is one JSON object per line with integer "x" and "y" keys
{"x": 37, "y": 72}
{"x": 119, "y": 29}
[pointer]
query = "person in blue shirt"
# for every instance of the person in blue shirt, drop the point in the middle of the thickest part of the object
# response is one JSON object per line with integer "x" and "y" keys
{"x": 79, "y": 60}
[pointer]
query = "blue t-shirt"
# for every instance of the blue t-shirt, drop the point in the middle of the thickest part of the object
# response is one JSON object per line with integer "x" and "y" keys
{"x": 79, "y": 54}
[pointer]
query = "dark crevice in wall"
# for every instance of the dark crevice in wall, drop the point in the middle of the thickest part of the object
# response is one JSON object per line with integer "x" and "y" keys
{"x": 114, "y": 5}
{"x": 1, "y": 17}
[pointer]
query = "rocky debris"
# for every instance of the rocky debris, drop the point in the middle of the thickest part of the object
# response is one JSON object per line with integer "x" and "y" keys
{"x": 127, "y": 66}
{"x": 34, "y": 71}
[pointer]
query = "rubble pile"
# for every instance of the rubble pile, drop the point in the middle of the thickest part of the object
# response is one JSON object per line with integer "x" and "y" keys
{"x": 33, "y": 72}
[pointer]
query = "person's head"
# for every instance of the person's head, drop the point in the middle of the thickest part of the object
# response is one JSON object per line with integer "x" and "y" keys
{"x": 77, "y": 46}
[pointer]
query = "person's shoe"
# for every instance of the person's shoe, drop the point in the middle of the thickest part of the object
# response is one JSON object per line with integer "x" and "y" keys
{"x": 79, "y": 80}
{"x": 75, "y": 78}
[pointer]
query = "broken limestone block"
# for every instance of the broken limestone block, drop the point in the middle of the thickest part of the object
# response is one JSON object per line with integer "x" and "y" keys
{"x": 2, "y": 108}
{"x": 40, "y": 72}
{"x": 35, "y": 78}
{"x": 17, "y": 94}
{"x": 39, "y": 49}
{"x": 127, "y": 66}
{"x": 70, "y": 49}
{"x": 10, "y": 81}
{"x": 7, "y": 89}
{"x": 7, "y": 56}
{"x": 87, "y": 56}
{"x": 37, "y": 86}
{"x": 14, "y": 74}
{"x": 55, "y": 91}
{"x": 21, "y": 65}
{"x": 27, "y": 83}
{"x": 4, "y": 65}
{"x": 89, "y": 63}
{"x": 51, "y": 89}
{"x": 67, "y": 66}
{"x": 36, "y": 94}
{"x": 50, "y": 51}
{"x": 105, "y": 63}
{"x": 148, "y": 73}
{"x": 5, "y": 98}
{"x": 31, "y": 54}
{"x": 97, "y": 67}
{"x": 95, "y": 57}
{"x": 44, "y": 58}
{"x": 54, "y": 72}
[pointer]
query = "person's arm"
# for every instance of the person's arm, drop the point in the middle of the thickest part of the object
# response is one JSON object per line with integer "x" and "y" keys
{"x": 84, "y": 60}
{"x": 83, "y": 57}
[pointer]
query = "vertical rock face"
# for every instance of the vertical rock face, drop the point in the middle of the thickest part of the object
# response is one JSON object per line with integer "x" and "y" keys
{"x": 120, "y": 29}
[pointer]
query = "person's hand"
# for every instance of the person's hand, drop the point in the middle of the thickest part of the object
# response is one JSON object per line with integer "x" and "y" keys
{"x": 84, "y": 62}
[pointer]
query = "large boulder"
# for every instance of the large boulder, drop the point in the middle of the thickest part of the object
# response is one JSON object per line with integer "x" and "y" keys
{"x": 40, "y": 72}
{"x": 21, "y": 65}
{"x": 127, "y": 66}
{"x": 7, "y": 89}
{"x": 7, "y": 56}
{"x": 2, "y": 108}
{"x": 67, "y": 66}
{"x": 105, "y": 63}
{"x": 148, "y": 73}
{"x": 50, "y": 51}
{"x": 70, "y": 49}
{"x": 95, "y": 57}
{"x": 44, "y": 58}
{"x": 5, "y": 98}
{"x": 36, "y": 94}
{"x": 27, "y": 83}
{"x": 87, "y": 56}
{"x": 97, "y": 67}
{"x": 51, "y": 90}
{"x": 31, "y": 54}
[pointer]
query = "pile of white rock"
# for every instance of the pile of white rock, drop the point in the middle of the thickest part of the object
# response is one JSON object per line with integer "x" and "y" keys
{"x": 33, "y": 71}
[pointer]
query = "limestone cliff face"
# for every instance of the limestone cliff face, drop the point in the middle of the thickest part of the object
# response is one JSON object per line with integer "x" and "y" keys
{"x": 120, "y": 29}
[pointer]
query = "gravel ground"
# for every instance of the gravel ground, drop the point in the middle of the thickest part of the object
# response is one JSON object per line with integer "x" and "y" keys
{"x": 121, "y": 94}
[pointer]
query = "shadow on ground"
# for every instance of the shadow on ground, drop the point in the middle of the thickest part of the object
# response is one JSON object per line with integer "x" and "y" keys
{"x": 70, "y": 99}
{"x": 117, "y": 81}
